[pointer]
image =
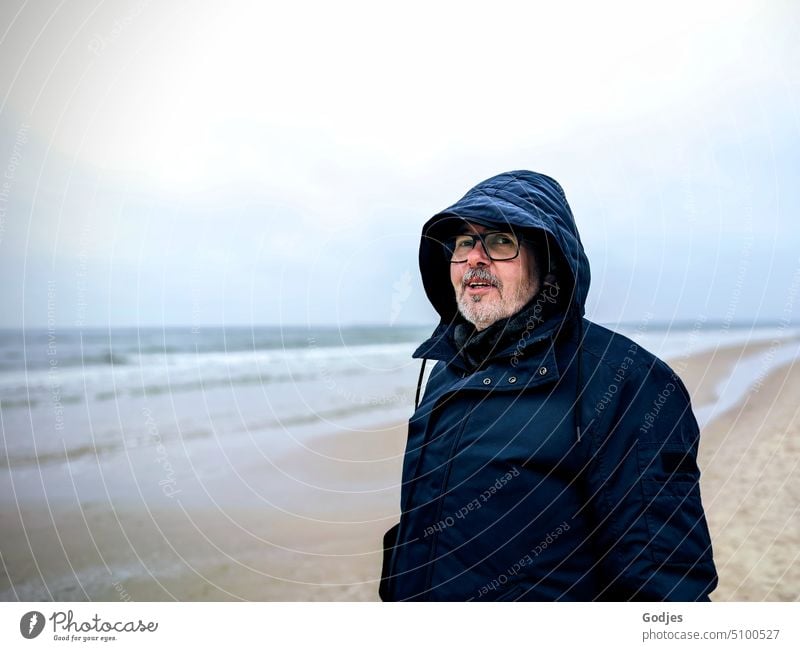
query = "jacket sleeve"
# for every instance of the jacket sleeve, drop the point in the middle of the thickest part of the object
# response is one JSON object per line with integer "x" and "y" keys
{"x": 650, "y": 529}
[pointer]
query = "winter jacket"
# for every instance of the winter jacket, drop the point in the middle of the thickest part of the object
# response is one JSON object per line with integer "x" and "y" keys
{"x": 564, "y": 467}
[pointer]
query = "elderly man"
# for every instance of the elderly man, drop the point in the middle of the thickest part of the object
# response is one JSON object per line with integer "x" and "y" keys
{"x": 549, "y": 458}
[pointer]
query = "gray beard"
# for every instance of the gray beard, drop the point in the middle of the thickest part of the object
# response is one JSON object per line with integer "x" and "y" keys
{"x": 485, "y": 314}
{"x": 481, "y": 316}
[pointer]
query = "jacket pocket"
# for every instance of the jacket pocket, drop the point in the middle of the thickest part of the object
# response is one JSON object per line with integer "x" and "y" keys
{"x": 389, "y": 542}
{"x": 676, "y": 523}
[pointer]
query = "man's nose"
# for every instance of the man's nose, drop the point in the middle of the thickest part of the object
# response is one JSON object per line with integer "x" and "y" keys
{"x": 477, "y": 256}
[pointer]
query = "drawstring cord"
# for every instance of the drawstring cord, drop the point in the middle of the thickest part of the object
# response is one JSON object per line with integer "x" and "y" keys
{"x": 419, "y": 382}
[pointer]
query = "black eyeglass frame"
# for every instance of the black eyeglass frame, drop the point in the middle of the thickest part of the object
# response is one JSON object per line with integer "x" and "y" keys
{"x": 479, "y": 236}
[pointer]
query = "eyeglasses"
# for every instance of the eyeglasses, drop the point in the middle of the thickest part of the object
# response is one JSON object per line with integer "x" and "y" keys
{"x": 498, "y": 246}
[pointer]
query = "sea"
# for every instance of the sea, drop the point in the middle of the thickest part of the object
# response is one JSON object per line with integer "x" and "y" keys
{"x": 195, "y": 402}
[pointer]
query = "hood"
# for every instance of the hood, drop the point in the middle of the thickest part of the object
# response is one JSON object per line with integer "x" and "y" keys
{"x": 524, "y": 200}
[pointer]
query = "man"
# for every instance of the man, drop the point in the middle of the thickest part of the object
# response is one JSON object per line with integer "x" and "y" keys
{"x": 549, "y": 458}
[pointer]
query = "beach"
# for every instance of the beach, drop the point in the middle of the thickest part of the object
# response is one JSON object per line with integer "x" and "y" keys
{"x": 201, "y": 516}
{"x": 750, "y": 458}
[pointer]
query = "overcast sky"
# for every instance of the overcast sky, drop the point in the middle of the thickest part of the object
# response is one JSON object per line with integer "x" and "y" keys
{"x": 210, "y": 163}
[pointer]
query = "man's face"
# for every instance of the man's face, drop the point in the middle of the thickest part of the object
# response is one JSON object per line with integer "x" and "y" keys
{"x": 511, "y": 283}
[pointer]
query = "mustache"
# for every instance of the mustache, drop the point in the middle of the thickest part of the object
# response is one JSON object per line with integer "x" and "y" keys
{"x": 480, "y": 274}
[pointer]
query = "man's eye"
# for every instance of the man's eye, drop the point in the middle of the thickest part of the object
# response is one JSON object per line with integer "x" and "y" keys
{"x": 503, "y": 239}
{"x": 466, "y": 243}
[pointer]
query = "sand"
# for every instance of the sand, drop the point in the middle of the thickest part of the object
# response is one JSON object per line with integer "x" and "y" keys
{"x": 751, "y": 492}
{"x": 327, "y": 546}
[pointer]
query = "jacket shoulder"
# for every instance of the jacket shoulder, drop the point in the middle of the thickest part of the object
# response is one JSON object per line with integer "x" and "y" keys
{"x": 611, "y": 349}
{"x": 647, "y": 393}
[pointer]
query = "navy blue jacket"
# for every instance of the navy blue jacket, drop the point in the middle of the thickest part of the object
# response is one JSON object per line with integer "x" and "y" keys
{"x": 565, "y": 467}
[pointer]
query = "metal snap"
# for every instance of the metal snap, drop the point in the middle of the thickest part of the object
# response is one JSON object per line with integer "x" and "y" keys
{"x": 543, "y": 370}
{"x": 487, "y": 380}
{"x": 512, "y": 379}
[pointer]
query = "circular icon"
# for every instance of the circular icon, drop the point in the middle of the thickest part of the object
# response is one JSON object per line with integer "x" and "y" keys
{"x": 31, "y": 624}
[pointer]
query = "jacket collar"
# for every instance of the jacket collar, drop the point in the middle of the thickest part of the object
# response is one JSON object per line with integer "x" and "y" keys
{"x": 441, "y": 344}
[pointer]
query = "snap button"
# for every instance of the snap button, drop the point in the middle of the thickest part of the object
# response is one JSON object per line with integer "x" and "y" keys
{"x": 512, "y": 379}
{"x": 487, "y": 380}
{"x": 543, "y": 370}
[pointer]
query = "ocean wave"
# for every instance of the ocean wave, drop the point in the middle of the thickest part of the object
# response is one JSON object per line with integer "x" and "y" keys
{"x": 35, "y": 348}
{"x": 136, "y": 376}
{"x": 69, "y": 360}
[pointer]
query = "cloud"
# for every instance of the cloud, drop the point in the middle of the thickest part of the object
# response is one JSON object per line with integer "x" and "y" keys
{"x": 237, "y": 140}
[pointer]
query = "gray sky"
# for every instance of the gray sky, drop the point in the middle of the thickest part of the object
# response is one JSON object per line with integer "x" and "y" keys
{"x": 219, "y": 163}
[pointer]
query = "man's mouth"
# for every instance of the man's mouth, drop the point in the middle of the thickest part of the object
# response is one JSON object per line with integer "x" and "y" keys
{"x": 478, "y": 288}
{"x": 478, "y": 282}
